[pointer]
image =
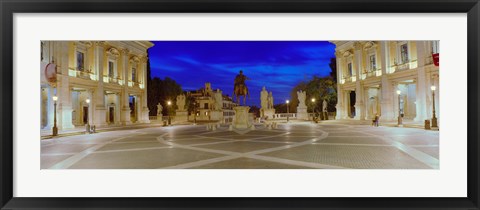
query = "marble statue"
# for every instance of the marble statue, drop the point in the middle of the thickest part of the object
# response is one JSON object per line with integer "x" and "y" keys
{"x": 324, "y": 106}
{"x": 270, "y": 100}
{"x": 264, "y": 98}
{"x": 181, "y": 102}
{"x": 301, "y": 98}
{"x": 159, "y": 109}
{"x": 218, "y": 100}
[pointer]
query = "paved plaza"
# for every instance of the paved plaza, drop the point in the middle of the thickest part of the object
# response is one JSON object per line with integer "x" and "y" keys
{"x": 296, "y": 145}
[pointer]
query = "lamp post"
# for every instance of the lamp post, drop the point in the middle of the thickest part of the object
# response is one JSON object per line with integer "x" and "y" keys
{"x": 399, "y": 110}
{"x": 313, "y": 109}
{"x": 288, "y": 110}
{"x": 434, "y": 118}
{"x": 54, "y": 129}
{"x": 169, "y": 103}
{"x": 88, "y": 114}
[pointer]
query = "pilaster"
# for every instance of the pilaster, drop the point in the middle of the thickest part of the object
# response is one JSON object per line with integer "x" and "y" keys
{"x": 359, "y": 93}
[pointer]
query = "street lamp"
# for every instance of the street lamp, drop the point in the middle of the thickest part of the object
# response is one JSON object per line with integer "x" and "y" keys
{"x": 88, "y": 114}
{"x": 313, "y": 109}
{"x": 54, "y": 129}
{"x": 399, "y": 109}
{"x": 434, "y": 118}
{"x": 288, "y": 110}
{"x": 169, "y": 119}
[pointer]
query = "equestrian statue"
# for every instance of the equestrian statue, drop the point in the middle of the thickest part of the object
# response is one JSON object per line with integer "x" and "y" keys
{"x": 239, "y": 88}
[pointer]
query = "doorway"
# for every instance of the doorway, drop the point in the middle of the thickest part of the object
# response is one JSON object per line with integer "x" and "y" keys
{"x": 85, "y": 115}
{"x": 133, "y": 108}
{"x": 111, "y": 114}
{"x": 353, "y": 99}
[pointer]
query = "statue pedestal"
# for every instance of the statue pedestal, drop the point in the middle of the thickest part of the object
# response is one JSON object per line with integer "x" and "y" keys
{"x": 181, "y": 116}
{"x": 240, "y": 121}
{"x": 302, "y": 113}
{"x": 216, "y": 115}
{"x": 268, "y": 113}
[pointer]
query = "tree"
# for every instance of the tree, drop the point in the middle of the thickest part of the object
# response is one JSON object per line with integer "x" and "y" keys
{"x": 320, "y": 88}
{"x": 333, "y": 67}
{"x": 255, "y": 110}
{"x": 162, "y": 91}
{"x": 294, "y": 98}
{"x": 282, "y": 108}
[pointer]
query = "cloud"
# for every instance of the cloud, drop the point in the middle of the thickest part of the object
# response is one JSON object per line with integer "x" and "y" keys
{"x": 278, "y": 65}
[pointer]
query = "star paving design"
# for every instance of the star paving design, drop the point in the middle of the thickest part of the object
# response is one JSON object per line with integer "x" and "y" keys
{"x": 300, "y": 145}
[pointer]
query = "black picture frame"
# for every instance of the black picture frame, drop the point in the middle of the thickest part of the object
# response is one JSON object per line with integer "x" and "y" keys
{"x": 10, "y": 7}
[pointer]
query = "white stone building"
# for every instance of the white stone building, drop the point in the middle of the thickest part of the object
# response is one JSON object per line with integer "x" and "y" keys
{"x": 371, "y": 72}
{"x": 111, "y": 74}
{"x": 213, "y": 105}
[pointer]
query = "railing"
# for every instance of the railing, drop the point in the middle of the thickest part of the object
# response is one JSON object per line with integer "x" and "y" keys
{"x": 404, "y": 66}
{"x": 135, "y": 84}
{"x": 84, "y": 74}
{"x": 371, "y": 73}
{"x": 280, "y": 116}
{"x": 165, "y": 118}
{"x": 348, "y": 79}
{"x": 112, "y": 80}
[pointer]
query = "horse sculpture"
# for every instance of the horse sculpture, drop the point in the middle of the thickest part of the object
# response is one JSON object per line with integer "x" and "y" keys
{"x": 240, "y": 89}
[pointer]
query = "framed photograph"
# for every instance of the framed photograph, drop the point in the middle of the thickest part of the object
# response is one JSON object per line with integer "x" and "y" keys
{"x": 239, "y": 105}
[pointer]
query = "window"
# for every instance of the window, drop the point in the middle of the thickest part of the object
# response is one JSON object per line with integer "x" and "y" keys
{"x": 435, "y": 47}
{"x": 110, "y": 69}
{"x": 80, "y": 61}
{"x": 404, "y": 53}
{"x": 350, "y": 71}
{"x": 134, "y": 74}
{"x": 205, "y": 106}
{"x": 373, "y": 63}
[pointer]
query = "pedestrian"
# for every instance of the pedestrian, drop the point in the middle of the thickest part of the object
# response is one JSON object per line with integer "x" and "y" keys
{"x": 375, "y": 121}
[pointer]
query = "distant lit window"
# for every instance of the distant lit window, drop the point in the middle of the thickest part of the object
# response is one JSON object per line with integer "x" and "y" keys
{"x": 80, "y": 61}
{"x": 404, "y": 53}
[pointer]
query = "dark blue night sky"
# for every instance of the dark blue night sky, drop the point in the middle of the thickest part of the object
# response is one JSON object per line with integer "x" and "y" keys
{"x": 277, "y": 65}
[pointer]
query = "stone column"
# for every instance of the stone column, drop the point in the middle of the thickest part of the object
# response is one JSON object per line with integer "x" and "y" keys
{"x": 368, "y": 105}
{"x": 436, "y": 82}
{"x": 116, "y": 113}
{"x": 50, "y": 108}
{"x": 422, "y": 86}
{"x": 340, "y": 103}
{"x": 387, "y": 94}
{"x": 64, "y": 103}
{"x": 145, "y": 110}
{"x": 124, "y": 95}
{"x": 99, "y": 95}
{"x": 359, "y": 95}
